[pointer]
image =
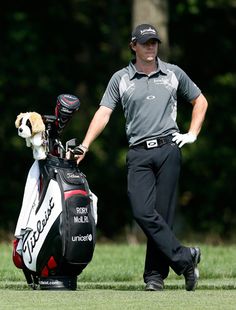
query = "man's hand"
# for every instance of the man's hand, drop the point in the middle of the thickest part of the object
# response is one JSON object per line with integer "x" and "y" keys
{"x": 181, "y": 139}
{"x": 79, "y": 152}
{"x": 79, "y": 158}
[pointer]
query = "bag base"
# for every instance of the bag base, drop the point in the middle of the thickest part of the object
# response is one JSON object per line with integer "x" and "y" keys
{"x": 58, "y": 283}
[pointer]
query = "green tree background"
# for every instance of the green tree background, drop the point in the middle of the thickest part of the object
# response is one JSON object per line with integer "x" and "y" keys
{"x": 74, "y": 46}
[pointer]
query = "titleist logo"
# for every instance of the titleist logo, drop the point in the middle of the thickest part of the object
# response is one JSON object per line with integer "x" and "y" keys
{"x": 30, "y": 243}
{"x": 147, "y": 30}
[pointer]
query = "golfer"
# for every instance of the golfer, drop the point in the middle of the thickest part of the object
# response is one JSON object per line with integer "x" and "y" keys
{"x": 148, "y": 90}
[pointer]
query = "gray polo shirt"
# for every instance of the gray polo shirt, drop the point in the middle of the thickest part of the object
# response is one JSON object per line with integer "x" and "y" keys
{"x": 149, "y": 101}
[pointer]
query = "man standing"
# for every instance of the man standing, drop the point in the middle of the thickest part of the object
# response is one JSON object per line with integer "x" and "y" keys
{"x": 147, "y": 89}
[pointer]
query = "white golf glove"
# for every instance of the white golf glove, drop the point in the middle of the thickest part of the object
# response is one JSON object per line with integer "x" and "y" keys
{"x": 181, "y": 139}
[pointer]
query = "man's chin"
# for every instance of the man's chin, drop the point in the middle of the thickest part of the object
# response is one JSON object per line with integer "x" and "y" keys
{"x": 150, "y": 58}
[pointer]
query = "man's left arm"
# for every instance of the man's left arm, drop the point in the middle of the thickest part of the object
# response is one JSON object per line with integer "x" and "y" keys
{"x": 198, "y": 115}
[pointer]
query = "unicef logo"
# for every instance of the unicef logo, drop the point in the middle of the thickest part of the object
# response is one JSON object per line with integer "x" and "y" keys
{"x": 80, "y": 238}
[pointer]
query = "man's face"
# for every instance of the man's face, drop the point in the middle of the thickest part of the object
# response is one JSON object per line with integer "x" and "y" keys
{"x": 147, "y": 51}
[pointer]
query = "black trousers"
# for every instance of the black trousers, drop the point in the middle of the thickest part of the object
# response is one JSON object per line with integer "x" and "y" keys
{"x": 152, "y": 188}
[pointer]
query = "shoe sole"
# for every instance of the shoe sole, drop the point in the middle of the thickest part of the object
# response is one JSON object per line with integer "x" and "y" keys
{"x": 152, "y": 288}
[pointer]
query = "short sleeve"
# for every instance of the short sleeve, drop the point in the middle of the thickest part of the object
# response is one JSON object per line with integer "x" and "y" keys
{"x": 187, "y": 88}
{"x": 111, "y": 96}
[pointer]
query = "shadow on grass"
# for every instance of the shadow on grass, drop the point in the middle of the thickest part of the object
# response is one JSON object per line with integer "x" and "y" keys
{"x": 211, "y": 284}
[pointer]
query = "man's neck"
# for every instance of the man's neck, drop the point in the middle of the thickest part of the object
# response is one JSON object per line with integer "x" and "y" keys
{"x": 146, "y": 67}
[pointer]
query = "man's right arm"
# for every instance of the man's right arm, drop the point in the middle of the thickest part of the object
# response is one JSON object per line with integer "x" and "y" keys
{"x": 98, "y": 123}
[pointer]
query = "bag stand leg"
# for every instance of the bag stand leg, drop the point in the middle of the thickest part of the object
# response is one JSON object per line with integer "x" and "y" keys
{"x": 31, "y": 279}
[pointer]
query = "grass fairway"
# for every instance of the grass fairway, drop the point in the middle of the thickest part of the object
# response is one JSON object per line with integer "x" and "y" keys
{"x": 113, "y": 280}
{"x": 118, "y": 299}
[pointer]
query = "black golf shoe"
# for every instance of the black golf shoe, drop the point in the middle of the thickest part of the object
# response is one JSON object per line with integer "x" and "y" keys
{"x": 191, "y": 273}
{"x": 156, "y": 285}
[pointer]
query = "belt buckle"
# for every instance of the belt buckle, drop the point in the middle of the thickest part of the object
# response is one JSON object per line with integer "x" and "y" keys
{"x": 151, "y": 143}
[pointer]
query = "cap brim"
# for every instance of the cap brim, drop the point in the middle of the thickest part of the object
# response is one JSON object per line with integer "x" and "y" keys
{"x": 144, "y": 39}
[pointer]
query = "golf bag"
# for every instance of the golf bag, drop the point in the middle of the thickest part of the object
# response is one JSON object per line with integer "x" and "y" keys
{"x": 56, "y": 228}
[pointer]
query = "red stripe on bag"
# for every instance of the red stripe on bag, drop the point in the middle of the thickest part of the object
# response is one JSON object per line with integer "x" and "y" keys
{"x": 68, "y": 194}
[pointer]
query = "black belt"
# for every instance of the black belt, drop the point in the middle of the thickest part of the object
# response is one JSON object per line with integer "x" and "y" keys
{"x": 154, "y": 142}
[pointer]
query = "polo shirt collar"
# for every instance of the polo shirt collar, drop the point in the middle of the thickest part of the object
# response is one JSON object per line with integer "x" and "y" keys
{"x": 161, "y": 67}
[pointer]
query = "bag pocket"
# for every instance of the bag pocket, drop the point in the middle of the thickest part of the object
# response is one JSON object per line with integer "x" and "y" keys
{"x": 78, "y": 229}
